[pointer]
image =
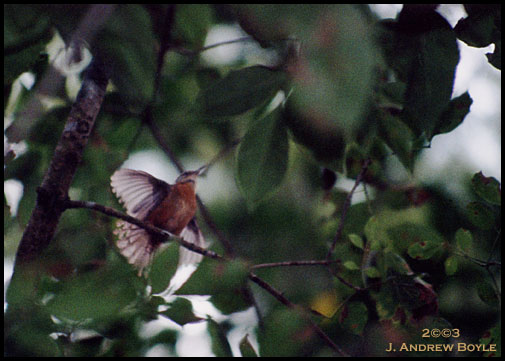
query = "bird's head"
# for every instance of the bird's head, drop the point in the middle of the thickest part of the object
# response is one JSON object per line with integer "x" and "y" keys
{"x": 190, "y": 175}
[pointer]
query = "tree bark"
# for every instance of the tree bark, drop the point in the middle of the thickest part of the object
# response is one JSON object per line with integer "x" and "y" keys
{"x": 67, "y": 156}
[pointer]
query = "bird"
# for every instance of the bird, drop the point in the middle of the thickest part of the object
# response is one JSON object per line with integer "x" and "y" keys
{"x": 170, "y": 207}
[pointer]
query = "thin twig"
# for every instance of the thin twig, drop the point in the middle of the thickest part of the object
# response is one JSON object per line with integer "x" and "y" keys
{"x": 308, "y": 263}
{"x": 348, "y": 284}
{"x": 156, "y": 133}
{"x": 495, "y": 242}
{"x": 294, "y": 263}
{"x": 347, "y": 203}
{"x": 477, "y": 261}
{"x": 222, "y": 153}
{"x": 189, "y": 52}
{"x": 368, "y": 201}
{"x": 282, "y": 299}
{"x": 490, "y": 263}
{"x": 148, "y": 227}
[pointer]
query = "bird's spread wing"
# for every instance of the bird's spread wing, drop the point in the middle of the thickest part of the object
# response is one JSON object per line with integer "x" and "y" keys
{"x": 140, "y": 193}
{"x": 192, "y": 234}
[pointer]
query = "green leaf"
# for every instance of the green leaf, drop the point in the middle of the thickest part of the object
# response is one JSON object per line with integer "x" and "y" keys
{"x": 166, "y": 337}
{"x": 425, "y": 55}
{"x": 424, "y": 249}
{"x": 334, "y": 75}
{"x": 480, "y": 215}
{"x": 240, "y": 91}
{"x": 478, "y": 27}
{"x": 267, "y": 23}
{"x": 386, "y": 301}
{"x": 163, "y": 267}
{"x": 372, "y": 272}
{"x": 463, "y": 239}
{"x": 397, "y": 264}
{"x": 487, "y": 294}
{"x": 94, "y": 295}
{"x": 230, "y": 301}
{"x": 192, "y": 22}
{"x": 454, "y": 114}
{"x": 66, "y": 21}
{"x": 350, "y": 265}
{"x": 354, "y": 158}
{"x": 26, "y": 33}
{"x": 487, "y": 188}
{"x": 451, "y": 265}
{"x": 398, "y": 136}
{"x": 354, "y": 317}
{"x": 223, "y": 281}
{"x": 219, "y": 342}
{"x": 406, "y": 234}
{"x": 246, "y": 349}
{"x": 286, "y": 340}
{"x": 356, "y": 240}
{"x": 215, "y": 277}
{"x": 492, "y": 336}
{"x": 30, "y": 336}
{"x": 322, "y": 136}
{"x": 394, "y": 92}
{"x": 233, "y": 274}
{"x": 495, "y": 58}
{"x": 127, "y": 42}
{"x": 375, "y": 232}
{"x": 262, "y": 159}
{"x": 482, "y": 27}
{"x": 181, "y": 312}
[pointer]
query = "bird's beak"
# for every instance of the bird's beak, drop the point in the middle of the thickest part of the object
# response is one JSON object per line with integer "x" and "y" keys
{"x": 201, "y": 170}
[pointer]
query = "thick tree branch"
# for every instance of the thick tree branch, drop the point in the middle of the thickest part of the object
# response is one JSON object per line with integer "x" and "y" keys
{"x": 67, "y": 156}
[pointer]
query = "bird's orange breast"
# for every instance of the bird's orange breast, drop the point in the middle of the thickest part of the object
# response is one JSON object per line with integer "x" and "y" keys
{"x": 176, "y": 210}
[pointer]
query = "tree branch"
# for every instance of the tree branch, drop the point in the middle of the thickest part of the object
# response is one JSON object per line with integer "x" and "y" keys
{"x": 347, "y": 204}
{"x": 68, "y": 204}
{"x": 66, "y": 158}
{"x": 280, "y": 297}
{"x": 295, "y": 263}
